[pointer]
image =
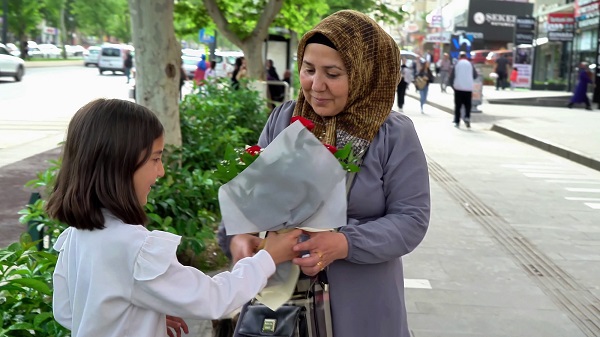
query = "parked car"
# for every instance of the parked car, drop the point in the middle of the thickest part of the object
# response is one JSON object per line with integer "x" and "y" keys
{"x": 11, "y": 65}
{"x": 495, "y": 54}
{"x": 479, "y": 56}
{"x": 112, "y": 57}
{"x": 13, "y": 49}
{"x": 74, "y": 50}
{"x": 91, "y": 56}
{"x": 34, "y": 52}
{"x": 50, "y": 51}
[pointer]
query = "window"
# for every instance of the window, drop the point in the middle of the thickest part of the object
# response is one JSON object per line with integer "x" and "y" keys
{"x": 111, "y": 52}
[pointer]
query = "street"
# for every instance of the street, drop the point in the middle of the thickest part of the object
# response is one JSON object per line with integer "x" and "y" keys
{"x": 39, "y": 108}
{"x": 513, "y": 247}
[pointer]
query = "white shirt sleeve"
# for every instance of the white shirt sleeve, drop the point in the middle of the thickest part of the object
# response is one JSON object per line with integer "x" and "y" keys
{"x": 61, "y": 305}
{"x": 167, "y": 286}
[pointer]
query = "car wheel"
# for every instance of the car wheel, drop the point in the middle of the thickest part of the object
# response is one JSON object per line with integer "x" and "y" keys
{"x": 113, "y": 72}
{"x": 86, "y": 64}
{"x": 19, "y": 74}
{"x": 101, "y": 70}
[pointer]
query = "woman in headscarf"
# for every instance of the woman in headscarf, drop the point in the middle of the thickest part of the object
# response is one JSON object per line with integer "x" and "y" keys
{"x": 349, "y": 70}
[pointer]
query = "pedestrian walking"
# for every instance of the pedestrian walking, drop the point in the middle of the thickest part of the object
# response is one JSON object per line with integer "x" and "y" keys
{"x": 462, "y": 76}
{"x": 580, "y": 93}
{"x": 137, "y": 287}
{"x": 128, "y": 64}
{"x": 444, "y": 72}
{"x": 422, "y": 80}
{"x": 407, "y": 78}
{"x": 501, "y": 68}
{"x": 200, "y": 73}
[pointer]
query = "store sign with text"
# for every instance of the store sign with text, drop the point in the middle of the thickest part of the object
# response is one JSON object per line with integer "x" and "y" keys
{"x": 587, "y": 13}
{"x": 495, "y": 19}
{"x": 560, "y": 22}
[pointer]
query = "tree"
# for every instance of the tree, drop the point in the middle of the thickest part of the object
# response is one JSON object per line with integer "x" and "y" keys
{"x": 158, "y": 62}
{"x": 103, "y": 17}
{"x": 23, "y": 18}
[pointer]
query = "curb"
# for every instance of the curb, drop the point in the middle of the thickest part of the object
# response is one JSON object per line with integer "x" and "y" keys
{"x": 539, "y": 143}
{"x": 45, "y": 64}
{"x": 549, "y": 147}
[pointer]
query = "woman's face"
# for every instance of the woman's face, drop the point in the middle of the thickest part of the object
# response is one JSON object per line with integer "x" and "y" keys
{"x": 324, "y": 79}
{"x": 145, "y": 176}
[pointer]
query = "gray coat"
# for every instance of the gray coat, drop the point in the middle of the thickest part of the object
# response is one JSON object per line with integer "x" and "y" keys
{"x": 388, "y": 215}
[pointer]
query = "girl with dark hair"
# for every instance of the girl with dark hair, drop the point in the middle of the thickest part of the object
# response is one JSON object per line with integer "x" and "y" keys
{"x": 113, "y": 276}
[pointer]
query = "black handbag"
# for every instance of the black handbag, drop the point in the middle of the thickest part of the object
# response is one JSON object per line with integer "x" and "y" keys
{"x": 306, "y": 314}
{"x": 258, "y": 320}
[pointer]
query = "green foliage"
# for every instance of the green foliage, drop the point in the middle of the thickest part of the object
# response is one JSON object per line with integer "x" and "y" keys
{"x": 24, "y": 17}
{"x": 103, "y": 17}
{"x": 26, "y": 291}
{"x": 185, "y": 200}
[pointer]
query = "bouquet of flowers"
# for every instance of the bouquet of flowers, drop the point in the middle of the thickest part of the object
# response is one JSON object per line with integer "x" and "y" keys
{"x": 295, "y": 182}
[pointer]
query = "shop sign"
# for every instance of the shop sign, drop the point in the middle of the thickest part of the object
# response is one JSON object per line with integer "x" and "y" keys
{"x": 558, "y": 22}
{"x": 497, "y": 20}
{"x": 588, "y": 22}
{"x": 584, "y": 6}
{"x": 525, "y": 23}
{"x": 438, "y": 37}
{"x": 524, "y": 38}
{"x": 560, "y": 36}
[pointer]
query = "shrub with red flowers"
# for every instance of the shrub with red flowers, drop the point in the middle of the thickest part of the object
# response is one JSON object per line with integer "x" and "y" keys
{"x": 236, "y": 160}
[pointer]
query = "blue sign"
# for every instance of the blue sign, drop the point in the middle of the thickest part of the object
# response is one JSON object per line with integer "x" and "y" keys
{"x": 205, "y": 36}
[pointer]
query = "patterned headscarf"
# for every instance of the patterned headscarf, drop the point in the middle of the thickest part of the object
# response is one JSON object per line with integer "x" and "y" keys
{"x": 372, "y": 59}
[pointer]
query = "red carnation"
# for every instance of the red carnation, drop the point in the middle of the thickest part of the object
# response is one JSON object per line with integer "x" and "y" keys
{"x": 331, "y": 148}
{"x": 306, "y": 122}
{"x": 253, "y": 150}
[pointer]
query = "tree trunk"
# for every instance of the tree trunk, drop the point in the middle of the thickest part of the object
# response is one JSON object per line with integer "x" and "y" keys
{"x": 63, "y": 30}
{"x": 252, "y": 46}
{"x": 157, "y": 62}
{"x": 253, "y": 52}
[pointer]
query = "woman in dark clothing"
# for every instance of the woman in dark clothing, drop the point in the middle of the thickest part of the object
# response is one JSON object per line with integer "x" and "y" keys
{"x": 275, "y": 90}
{"x": 238, "y": 70}
{"x": 580, "y": 94}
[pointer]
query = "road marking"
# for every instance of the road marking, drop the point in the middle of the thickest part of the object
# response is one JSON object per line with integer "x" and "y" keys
{"x": 417, "y": 283}
{"x": 593, "y": 205}
{"x": 574, "y": 182}
{"x": 554, "y": 175}
{"x": 587, "y": 190}
{"x": 582, "y": 199}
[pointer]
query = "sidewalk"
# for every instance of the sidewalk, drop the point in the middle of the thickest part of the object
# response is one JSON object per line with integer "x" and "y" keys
{"x": 566, "y": 132}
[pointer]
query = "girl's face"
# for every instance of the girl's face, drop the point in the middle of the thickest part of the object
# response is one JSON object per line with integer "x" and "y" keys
{"x": 146, "y": 175}
{"x": 324, "y": 79}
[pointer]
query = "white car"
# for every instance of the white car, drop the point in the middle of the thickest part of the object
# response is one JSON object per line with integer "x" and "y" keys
{"x": 11, "y": 65}
{"x": 91, "y": 56}
{"x": 50, "y": 51}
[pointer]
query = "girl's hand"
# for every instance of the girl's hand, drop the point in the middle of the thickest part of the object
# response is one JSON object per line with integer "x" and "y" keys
{"x": 324, "y": 248}
{"x": 243, "y": 245}
{"x": 175, "y": 325}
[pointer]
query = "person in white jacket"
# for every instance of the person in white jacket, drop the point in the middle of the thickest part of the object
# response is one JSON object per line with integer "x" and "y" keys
{"x": 114, "y": 277}
{"x": 461, "y": 79}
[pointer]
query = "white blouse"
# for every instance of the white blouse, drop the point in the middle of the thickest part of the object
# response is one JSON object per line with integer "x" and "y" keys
{"x": 123, "y": 280}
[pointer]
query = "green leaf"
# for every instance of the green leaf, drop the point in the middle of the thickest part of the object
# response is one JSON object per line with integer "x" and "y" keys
{"x": 33, "y": 284}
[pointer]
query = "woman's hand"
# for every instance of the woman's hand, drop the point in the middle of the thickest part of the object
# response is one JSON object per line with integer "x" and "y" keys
{"x": 175, "y": 325}
{"x": 324, "y": 248}
{"x": 243, "y": 245}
